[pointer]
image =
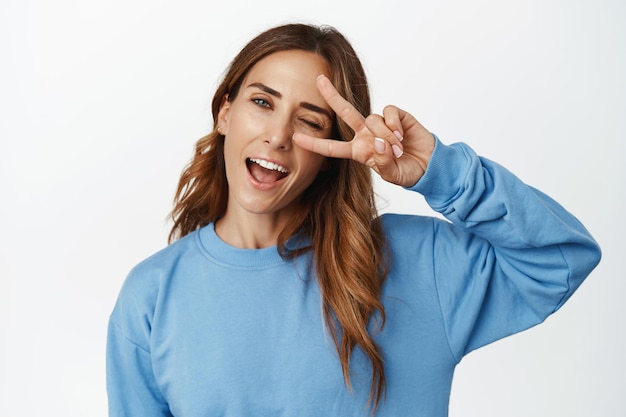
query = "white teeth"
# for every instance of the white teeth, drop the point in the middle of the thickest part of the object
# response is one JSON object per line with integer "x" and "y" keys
{"x": 269, "y": 165}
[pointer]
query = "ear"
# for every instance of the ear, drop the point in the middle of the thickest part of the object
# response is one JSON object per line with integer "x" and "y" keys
{"x": 223, "y": 116}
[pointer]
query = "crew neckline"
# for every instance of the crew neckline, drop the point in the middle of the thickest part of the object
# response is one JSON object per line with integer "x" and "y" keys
{"x": 223, "y": 253}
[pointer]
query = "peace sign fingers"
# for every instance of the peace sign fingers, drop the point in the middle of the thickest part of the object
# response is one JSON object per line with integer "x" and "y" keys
{"x": 358, "y": 149}
{"x": 393, "y": 144}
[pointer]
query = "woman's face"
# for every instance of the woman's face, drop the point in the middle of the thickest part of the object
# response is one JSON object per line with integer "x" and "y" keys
{"x": 266, "y": 172}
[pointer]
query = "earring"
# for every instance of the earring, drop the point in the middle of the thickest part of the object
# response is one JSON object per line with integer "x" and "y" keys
{"x": 219, "y": 131}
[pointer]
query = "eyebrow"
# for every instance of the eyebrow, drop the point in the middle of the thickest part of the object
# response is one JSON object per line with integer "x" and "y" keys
{"x": 304, "y": 104}
{"x": 266, "y": 89}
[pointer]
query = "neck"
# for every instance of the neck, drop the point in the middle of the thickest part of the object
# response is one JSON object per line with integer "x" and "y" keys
{"x": 250, "y": 231}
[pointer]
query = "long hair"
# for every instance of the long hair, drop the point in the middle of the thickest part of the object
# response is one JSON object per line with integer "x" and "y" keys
{"x": 338, "y": 213}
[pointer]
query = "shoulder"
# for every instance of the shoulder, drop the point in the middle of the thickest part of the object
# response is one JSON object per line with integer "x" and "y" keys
{"x": 159, "y": 265}
{"x": 406, "y": 226}
{"x": 408, "y": 236}
{"x": 140, "y": 291}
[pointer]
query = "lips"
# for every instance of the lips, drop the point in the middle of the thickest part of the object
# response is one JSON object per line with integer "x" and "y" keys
{"x": 264, "y": 171}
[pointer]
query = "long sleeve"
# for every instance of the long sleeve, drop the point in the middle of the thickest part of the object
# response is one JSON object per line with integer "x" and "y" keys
{"x": 131, "y": 386}
{"x": 511, "y": 255}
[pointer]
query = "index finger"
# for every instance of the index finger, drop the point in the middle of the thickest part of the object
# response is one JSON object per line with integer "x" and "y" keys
{"x": 342, "y": 108}
{"x": 326, "y": 147}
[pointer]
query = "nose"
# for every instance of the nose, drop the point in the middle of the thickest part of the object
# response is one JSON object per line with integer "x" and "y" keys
{"x": 279, "y": 135}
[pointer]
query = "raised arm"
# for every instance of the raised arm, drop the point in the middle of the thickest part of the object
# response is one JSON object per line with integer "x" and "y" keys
{"x": 511, "y": 255}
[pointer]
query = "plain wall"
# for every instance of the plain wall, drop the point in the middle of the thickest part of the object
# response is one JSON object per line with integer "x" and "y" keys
{"x": 101, "y": 103}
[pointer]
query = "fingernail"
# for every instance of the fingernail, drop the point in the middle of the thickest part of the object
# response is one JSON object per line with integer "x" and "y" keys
{"x": 398, "y": 135}
{"x": 397, "y": 151}
{"x": 379, "y": 145}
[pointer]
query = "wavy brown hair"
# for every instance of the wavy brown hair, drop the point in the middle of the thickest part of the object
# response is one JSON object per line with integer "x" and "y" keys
{"x": 338, "y": 215}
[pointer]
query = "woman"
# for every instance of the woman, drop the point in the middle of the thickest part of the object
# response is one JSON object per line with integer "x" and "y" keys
{"x": 286, "y": 294}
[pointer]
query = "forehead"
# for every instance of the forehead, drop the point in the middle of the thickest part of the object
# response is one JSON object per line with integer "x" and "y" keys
{"x": 292, "y": 66}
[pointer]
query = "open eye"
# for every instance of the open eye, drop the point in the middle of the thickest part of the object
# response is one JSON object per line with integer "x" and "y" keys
{"x": 261, "y": 102}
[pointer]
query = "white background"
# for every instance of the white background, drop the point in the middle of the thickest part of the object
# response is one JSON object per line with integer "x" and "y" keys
{"x": 101, "y": 103}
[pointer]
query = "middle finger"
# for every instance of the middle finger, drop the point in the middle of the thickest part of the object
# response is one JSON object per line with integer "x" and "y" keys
{"x": 343, "y": 109}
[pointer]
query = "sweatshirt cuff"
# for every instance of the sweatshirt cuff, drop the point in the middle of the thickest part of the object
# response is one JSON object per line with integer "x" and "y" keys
{"x": 442, "y": 182}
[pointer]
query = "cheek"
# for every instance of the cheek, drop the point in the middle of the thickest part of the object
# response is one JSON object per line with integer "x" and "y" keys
{"x": 313, "y": 163}
{"x": 228, "y": 150}
{"x": 232, "y": 155}
{"x": 239, "y": 120}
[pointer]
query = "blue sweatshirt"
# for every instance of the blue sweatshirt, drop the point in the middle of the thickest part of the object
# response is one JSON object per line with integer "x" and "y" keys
{"x": 204, "y": 329}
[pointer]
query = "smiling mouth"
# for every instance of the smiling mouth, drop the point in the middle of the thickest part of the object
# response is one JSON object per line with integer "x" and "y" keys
{"x": 265, "y": 171}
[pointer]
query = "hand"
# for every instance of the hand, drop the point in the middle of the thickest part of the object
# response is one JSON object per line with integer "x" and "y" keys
{"x": 395, "y": 145}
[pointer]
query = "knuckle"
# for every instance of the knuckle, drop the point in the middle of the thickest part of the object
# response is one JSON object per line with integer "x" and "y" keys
{"x": 391, "y": 113}
{"x": 382, "y": 164}
{"x": 330, "y": 149}
{"x": 344, "y": 111}
{"x": 371, "y": 118}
